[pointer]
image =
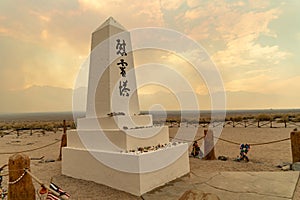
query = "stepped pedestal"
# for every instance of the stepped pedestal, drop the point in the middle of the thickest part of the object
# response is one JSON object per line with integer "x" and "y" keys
{"x": 114, "y": 145}
{"x": 129, "y": 172}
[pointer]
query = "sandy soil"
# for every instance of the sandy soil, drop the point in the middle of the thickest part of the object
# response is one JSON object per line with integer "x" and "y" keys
{"x": 262, "y": 158}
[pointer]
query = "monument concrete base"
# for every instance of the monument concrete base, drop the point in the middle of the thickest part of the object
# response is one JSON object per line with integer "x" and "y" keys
{"x": 114, "y": 144}
{"x": 129, "y": 172}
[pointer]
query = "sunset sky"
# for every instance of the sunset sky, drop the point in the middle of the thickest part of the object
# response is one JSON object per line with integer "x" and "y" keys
{"x": 255, "y": 44}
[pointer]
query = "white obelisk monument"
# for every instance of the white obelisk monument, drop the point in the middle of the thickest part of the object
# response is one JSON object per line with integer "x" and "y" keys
{"x": 114, "y": 145}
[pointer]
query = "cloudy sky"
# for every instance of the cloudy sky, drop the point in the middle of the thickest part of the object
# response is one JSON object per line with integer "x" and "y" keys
{"x": 254, "y": 44}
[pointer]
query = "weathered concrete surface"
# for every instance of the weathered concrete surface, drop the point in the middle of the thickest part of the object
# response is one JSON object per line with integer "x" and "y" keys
{"x": 232, "y": 185}
{"x": 198, "y": 195}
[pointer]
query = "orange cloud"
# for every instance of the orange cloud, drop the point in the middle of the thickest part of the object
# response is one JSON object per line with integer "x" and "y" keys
{"x": 265, "y": 82}
{"x": 43, "y": 17}
{"x": 135, "y": 14}
{"x": 93, "y": 4}
{"x": 4, "y": 30}
{"x": 170, "y": 4}
{"x": 44, "y": 34}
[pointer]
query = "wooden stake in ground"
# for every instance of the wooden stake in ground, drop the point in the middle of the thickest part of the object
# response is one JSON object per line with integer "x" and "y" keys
{"x": 63, "y": 141}
{"x": 295, "y": 142}
{"x": 209, "y": 150}
{"x": 20, "y": 183}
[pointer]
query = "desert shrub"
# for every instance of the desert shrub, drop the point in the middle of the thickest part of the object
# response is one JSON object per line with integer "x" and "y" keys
{"x": 173, "y": 120}
{"x": 292, "y": 115}
{"x": 19, "y": 126}
{"x": 277, "y": 116}
{"x": 184, "y": 120}
{"x": 237, "y": 119}
{"x": 296, "y": 119}
{"x": 284, "y": 118}
{"x": 263, "y": 117}
{"x": 72, "y": 125}
{"x": 49, "y": 127}
{"x": 250, "y": 117}
{"x": 193, "y": 121}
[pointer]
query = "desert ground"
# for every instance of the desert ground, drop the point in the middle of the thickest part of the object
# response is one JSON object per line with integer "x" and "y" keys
{"x": 262, "y": 158}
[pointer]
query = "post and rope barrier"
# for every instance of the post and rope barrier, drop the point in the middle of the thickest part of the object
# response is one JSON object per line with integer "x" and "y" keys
{"x": 20, "y": 180}
{"x": 29, "y": 150}
{"x": 63, "y": 140}
{"x": 45, "y": 186}
{"x": 234, "y": 142}
{"x": 26, "y": 170}
{"x": 209, "y": 144}
{"x": 187, "y": 140}
{"x": 253, "y": 144}
{"x": 295, "y": 145}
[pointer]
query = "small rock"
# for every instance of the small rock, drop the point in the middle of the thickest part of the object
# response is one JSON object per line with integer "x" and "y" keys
{"x": 283, "y": 164}
{"x": 286, "y": 168}
{"x": 223, "y": 158}
{"x": 15, "y": 141}
{"x": 296, "y": 166}
{"x": 198, "y": 195}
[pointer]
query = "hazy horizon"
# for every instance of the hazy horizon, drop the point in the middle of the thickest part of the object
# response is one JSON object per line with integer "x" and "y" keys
{"x": 270, "y": 110}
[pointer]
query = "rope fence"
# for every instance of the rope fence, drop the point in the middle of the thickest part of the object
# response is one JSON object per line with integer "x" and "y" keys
{"x": 29, "y": 150}
{"x": 37, "y": 180}
{"x": 45, "y": 186}
{"x": 233, "y": 123}
{"x": 17, "y": 180}
{"x": 210, "y": 141}
{"x": 271, "y": 142}
{"x": 186, "y": 140}
{"x": 253, "y": 144}
{"x": 224, "y": 140}
{"x": 234, "y": 142}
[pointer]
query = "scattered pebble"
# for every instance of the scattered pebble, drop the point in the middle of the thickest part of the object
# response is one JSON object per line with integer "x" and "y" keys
{"x": 296, "y": 166}
{"x": 223, "y": 158}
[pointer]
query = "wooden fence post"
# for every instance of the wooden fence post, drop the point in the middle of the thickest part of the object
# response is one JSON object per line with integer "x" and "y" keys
{"x": 63, "y": 141}
{"x": 209, "y": 150}
{"x": 20, "y": 183}
{"x": 295, "y": 142}
{"x": 285, "y": 124}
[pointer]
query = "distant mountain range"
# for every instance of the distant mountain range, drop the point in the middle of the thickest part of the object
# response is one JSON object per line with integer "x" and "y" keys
{"x": 55, "y": 99}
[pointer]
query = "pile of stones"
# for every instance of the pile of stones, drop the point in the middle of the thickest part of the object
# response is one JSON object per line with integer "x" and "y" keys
{"x": 140, "y": 150}
{"x": 286, "y": 166}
